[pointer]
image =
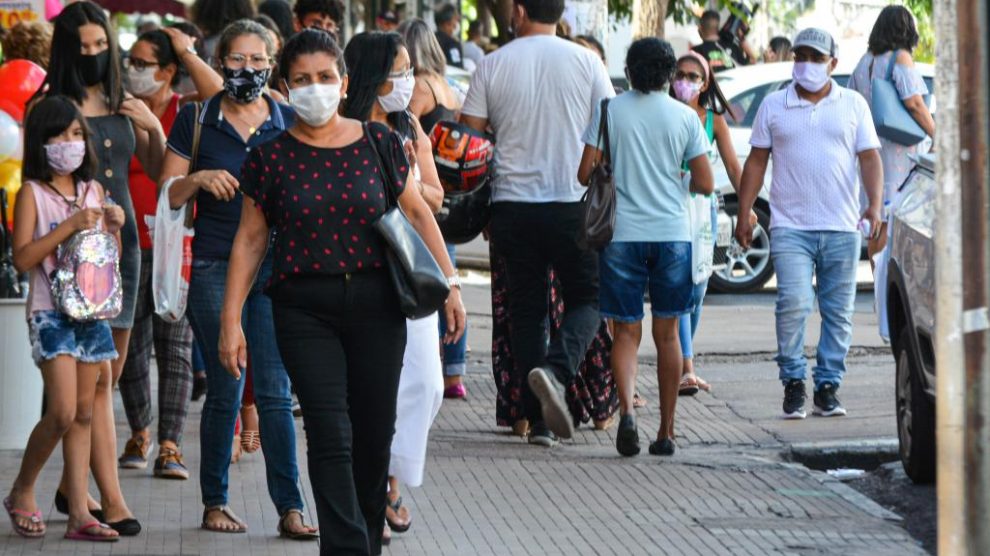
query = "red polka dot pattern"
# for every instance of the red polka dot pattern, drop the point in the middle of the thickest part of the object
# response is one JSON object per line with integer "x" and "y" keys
{"x": 320, "y": 204}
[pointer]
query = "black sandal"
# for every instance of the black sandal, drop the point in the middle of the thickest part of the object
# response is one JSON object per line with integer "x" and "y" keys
{"x": 396, "y": 506}
{"x": 303, "y": 536}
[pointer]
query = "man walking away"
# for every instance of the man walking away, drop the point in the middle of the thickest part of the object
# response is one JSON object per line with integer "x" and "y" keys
{"x": 537, "y": 94}
{"x": 817, "y": 132}
{"x": 448, "y": 23}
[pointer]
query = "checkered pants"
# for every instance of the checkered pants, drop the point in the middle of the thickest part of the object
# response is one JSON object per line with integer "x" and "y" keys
{"x": 173, "y": 352}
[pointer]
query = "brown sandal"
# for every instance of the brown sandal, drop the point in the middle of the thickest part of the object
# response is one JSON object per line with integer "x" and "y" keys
{"x": 296, "y": 536}
{"x": 225, "y": 510}
{"x": 250, "y": 441}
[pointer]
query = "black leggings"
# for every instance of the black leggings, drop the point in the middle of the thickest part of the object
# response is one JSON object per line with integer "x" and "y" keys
{"x": 342, "y": 339}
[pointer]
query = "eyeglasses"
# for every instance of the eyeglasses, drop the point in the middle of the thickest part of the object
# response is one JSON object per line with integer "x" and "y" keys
{"x": 256, "y": 61}
{"x": 404, "y": 74}
{"x": 689, "y": 75}
{"x": 138, "y": 63}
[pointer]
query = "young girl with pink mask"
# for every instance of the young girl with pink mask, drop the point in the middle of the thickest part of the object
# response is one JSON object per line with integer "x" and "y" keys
{"x": 59, "y": 199}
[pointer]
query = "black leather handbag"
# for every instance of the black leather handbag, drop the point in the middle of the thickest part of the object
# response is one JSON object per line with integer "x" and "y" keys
{"x": 419, "y": 281}
{"x": 599, "y": 200}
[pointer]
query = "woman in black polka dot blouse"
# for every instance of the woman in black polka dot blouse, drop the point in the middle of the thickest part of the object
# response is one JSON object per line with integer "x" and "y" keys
{"x": 338, "y": 325}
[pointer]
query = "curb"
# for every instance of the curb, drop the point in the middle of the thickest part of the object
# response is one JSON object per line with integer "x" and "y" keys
{"x": 868, "y": 454}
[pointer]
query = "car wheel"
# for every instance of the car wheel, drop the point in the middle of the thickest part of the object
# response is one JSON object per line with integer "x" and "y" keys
{"x": 748, "y": 270}
{"x": 915, "y": 415}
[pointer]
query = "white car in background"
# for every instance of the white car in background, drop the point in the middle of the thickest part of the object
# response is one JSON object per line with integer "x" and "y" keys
{"x": 745, "y": 88}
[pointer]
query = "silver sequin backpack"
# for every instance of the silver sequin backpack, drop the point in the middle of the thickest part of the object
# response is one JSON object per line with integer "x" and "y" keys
{"x": 86, "y": 282}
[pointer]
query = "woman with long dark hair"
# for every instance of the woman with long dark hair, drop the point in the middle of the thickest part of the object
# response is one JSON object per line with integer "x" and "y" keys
{"x": 320, "y": 186}
{"x": 213, "y": 16}
{"x": 694, "y": 84}
{"x": 86, "y": 67}
{"x": 433, "y": 101}
{"x": 381, "y": 86}
{"x": 892, "y": 41}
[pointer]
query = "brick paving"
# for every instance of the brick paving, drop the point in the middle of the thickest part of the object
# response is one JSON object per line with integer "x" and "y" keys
{"x": 489, "y": 493}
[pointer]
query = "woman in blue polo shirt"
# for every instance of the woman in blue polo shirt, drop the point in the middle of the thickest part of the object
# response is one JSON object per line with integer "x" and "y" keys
{"x": 231, "y": 124}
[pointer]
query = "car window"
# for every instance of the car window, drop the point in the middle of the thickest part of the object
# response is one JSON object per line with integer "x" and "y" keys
{"x": 743, "y": 106}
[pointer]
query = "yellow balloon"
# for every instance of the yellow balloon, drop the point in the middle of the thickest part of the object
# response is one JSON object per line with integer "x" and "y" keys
{"x": 10, "y": 180}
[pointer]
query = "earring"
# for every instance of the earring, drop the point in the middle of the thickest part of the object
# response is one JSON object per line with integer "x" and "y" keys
{"x": 345, "y": 95}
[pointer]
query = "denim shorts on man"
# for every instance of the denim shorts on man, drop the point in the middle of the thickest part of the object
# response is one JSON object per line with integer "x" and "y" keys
{"x": 53, "y": 334}
{"x": 627, "y": 267}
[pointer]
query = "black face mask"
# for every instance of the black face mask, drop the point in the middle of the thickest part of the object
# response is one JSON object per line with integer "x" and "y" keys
{"x": 93, "y": 67}
{"x": 245, "y": 85}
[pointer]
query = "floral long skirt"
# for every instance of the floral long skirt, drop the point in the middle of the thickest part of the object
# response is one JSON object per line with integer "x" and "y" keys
{"x": 591, "y": 395}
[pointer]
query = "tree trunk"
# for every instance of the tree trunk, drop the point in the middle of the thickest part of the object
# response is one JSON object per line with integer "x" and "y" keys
{"x": 648, "y": 18}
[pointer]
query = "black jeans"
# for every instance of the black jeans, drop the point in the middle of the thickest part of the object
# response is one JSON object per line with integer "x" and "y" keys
{"x": 533, "y": 237}
{"x": 342, "y": 339}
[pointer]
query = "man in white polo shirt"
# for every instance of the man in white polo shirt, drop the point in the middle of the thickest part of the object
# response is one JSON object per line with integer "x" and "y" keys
{"x": 822, "y": 139}
{"x": 537, "y": 94}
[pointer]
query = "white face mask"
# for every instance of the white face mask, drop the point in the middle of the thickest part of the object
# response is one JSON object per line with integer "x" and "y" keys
{"x": 812, "y": 77}
{"x": 315, "y": 104}
{"x": 142, "y": 83}
{"x": 402, "y": 92}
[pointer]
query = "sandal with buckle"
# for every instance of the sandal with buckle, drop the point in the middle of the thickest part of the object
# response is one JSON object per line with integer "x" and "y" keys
{"x": 225, "y": 510}
{"x": 285, "y": 533}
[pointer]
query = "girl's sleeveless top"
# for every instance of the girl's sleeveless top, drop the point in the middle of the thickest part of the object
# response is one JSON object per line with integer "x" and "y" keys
{"x": 52, "y": 210}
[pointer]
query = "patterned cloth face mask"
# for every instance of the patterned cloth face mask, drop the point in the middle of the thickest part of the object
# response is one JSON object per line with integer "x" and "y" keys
{"x": 246, "y": 84}
{"x": 66, "y": 157}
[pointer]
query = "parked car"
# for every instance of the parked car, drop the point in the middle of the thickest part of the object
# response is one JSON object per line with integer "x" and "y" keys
{"x": 745, "y": 88}
{"x": 911, "y": 319}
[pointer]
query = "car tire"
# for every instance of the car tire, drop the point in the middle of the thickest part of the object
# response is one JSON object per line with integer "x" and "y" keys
{"x": 915, "y": 414}
{"x": 736, "y": 278}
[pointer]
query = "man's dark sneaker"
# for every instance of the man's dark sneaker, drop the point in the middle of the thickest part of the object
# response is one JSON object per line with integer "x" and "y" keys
{"x": 541, "y": 435}
{"x": 550, "y": 392}
{"x": 627, "y": 438}
{"x": 794, "y": 396}
{"x": 663, "y": 447}
{"x": 826, "y": 403}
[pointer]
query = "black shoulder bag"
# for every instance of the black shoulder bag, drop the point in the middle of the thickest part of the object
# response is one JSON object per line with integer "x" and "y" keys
{"x": 599, "y": 200}
{"x": 418, "y": 279}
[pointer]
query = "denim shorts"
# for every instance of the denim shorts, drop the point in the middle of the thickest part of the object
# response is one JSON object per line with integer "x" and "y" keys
{"x": 627, "y": 267}
{"x": 52, "y": 334}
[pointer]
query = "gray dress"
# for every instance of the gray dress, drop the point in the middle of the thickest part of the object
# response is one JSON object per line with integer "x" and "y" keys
{"x": 114, "y": 144}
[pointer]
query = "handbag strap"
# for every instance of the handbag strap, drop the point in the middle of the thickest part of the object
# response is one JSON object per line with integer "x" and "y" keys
{"x": 390, "y": 199}
{"x": 197, "y": 132}
{"x": 603, "y": 132}
{"x": 890, "y": 65}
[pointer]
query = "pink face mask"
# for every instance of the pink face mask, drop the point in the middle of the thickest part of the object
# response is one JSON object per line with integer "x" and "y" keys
{"x": 65, "y": 158}
{"x": 685, "y": 90}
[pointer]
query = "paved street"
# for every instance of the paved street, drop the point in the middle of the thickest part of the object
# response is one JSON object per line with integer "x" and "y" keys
{"x": 727, "y": 491}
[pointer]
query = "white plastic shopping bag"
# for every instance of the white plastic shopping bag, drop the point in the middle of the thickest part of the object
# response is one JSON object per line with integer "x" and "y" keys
{"x": 699, "y": 208}
{"x": 172, "y": 259}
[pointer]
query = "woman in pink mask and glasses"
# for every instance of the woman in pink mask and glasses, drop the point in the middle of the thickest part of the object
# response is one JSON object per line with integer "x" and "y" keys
{"x": 694, "y": 84}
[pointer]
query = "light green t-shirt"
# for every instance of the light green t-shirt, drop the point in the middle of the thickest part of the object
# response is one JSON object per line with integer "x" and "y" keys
{"x": 650, "y": 136}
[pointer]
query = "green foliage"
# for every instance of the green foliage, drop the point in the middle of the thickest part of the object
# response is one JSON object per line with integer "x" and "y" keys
{"x": 922, "y": 10}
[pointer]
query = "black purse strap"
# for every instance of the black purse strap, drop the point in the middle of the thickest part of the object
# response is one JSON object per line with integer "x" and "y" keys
{"x": 603, "y": 138}
{"x": 390, "y": 198}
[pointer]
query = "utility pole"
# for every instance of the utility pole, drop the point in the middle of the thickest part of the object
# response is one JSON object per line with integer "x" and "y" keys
{"x": 962, "y": 255}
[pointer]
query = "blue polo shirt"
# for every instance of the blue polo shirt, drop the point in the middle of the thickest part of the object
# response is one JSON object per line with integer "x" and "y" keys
{"x": 221, "y": 148}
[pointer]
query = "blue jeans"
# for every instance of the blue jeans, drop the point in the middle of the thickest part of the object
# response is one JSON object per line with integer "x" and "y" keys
{"x": 454, "y": 355}
{"x": 688, "y": 324}
{"x": 832, "y": 257}
{"x": 223, "y": 394}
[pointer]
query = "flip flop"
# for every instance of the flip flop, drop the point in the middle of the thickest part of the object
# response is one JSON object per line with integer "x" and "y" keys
{"x": 638, "y": 402}
{"x": 688, "y": 387}
{"x": 83, "y": 534}
{"x": 702, "y": 384}
{"x": 286, "y": 534}
{"x": 397, "y": 527}
{"x": 34, "y": 517}
{"x": 225, "y": 510}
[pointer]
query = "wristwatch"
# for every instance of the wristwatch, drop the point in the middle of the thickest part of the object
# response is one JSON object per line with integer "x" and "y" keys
{"x": 454, "y": 281}
{"x": 192, "y": 50}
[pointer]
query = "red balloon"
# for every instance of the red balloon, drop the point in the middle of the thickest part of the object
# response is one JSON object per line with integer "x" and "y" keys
{"x": 19, "y": 79}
